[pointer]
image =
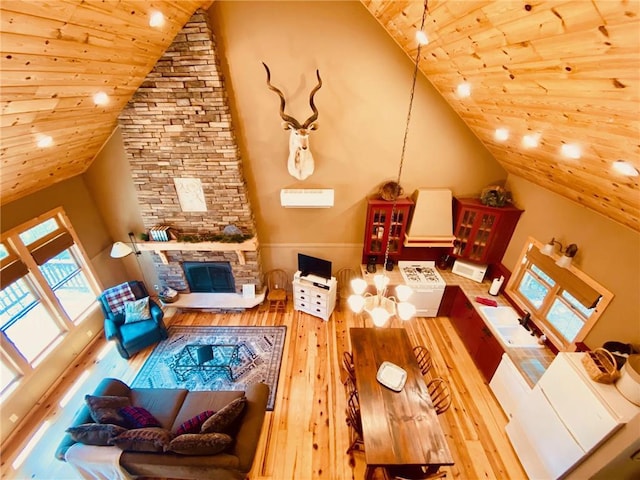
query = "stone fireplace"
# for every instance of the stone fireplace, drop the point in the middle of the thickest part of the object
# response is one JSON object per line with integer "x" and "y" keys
{"x": 178, "y": 126}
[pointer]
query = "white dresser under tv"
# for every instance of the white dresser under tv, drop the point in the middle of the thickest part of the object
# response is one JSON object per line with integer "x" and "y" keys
{"x": 314, "y": 295}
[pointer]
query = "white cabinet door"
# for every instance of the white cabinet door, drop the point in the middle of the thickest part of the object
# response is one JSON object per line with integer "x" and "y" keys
{"x": 540, "y": 438}
{"x": 580, "y": 408}
{"x": 508, "y": 386}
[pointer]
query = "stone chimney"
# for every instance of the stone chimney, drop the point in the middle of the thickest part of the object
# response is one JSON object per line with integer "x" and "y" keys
{"x": 178, "y": 126}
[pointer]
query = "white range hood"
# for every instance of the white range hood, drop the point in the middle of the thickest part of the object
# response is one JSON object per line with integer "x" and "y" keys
{"x": 432, "y": 220}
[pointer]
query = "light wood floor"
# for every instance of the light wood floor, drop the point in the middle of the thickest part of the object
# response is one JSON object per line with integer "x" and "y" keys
{"x": 306, "y": 435}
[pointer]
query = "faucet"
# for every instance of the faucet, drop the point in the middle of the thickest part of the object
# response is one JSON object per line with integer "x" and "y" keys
{"x": 524, "y": 321}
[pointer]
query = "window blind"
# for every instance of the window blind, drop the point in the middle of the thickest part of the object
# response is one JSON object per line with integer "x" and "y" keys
{"x": 11, "y": 272}
{"x": 576, "y": 287}
{"x": 52, "y": 247}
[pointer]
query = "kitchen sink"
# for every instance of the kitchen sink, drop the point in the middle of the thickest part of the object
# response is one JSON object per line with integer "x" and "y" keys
{"x": 518, "y": 336}
{"x": 499, "y": 316}
{"x": 505, "y": 323}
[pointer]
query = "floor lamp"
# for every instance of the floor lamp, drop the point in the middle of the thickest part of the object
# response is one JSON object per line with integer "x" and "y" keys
{"x": 122, "y": 249}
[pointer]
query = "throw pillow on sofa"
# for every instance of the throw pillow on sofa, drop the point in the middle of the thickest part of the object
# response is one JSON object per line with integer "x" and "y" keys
{"x": 100, "y": 434}
{"x": 153, "y": 439}
{"x": 138, "y": 417}
{"x": 224, "y": 418}
{"x": 137, "y": 310}
{"x": 200, "y": 443}
{"x": 105, "y": 409}
{"x": 194, "y": 424}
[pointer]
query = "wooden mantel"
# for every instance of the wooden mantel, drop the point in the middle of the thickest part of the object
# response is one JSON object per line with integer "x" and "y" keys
{"x": 250, "y": 245}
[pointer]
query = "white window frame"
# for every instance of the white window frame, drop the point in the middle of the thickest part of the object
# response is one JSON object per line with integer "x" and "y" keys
{"x": 47, "y": 297}
{"x": 539, "y": 314}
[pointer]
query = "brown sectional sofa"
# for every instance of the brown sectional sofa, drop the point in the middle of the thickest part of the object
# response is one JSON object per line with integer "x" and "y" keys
{"x": 174, "y": 406}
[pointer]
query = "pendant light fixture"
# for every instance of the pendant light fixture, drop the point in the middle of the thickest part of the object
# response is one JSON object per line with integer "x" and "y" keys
{"x": 379, "y": 306}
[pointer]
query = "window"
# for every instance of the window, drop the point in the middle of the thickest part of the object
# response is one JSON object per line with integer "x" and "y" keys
{"x": 565, "y": 303}
{"x": 8, "y": 377}
{"x": 47, "y": 289}
{"x": 23, "y": 314}
{"x": 69, "y": 283}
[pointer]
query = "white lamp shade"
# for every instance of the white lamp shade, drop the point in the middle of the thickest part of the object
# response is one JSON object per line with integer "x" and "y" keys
{"x": 547, "y": 249}
{"x": 380, "y": 316}
{"x": 358, "y": 285}
{"x": 403, "y": 292}
{"x": 356, "y": 303}
{"x": 406, "y": 310}
{"x": 120, "y": 250}
{"x": 564, "y": 261}
{"x": 381, "y": 282}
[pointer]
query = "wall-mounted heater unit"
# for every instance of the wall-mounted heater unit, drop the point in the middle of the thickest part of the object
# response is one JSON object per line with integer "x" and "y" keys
{"x": 306, "y": 197}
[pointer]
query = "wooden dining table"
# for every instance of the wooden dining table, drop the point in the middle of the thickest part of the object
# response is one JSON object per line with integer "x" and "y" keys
{"x": 399, "y": 428}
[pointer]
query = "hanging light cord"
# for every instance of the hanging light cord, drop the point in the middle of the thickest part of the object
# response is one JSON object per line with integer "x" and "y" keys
{"x": 404, "y": 140}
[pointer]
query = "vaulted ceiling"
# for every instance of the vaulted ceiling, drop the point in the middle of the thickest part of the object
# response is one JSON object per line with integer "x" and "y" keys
{"x": 54, "y": 56}
{"x": 565, "y": 72}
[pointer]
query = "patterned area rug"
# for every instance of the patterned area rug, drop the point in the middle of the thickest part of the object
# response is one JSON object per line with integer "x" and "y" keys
{"x": 185, "y": 359}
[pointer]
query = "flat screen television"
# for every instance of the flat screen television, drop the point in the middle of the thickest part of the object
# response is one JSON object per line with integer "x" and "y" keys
{"x": 314, "y": 266}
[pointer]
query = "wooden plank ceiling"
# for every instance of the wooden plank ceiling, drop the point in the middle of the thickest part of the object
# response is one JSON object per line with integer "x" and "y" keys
{"x": 55, "y": 55}
{"x": 567, "y": 71}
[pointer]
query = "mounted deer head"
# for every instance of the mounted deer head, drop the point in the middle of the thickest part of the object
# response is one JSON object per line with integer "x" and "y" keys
{"x": 300, "y": 163}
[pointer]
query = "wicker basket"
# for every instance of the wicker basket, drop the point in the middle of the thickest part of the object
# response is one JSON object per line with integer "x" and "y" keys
{"x": 390, "y": 191}
{"x": 600, "y": 364}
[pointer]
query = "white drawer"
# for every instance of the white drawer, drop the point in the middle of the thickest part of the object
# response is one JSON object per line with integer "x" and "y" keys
{"x": 306, "y": 290}
{"x": 312, "y": 310}
{"x": 312, "y": 300}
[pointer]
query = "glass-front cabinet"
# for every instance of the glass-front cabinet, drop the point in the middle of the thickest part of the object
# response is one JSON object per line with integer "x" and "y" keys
{"x": 384, "y": 224}
{"x": 482, "y": 232}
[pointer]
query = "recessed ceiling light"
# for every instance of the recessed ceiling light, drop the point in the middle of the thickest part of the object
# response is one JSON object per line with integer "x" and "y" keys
{"x": 531, "y": 140}
{"x": 100, "y": 98}
{"x": 501, "y": 134}
{"x": 422, "y": 38}
{"x": 156, "y": 19}
{"x": 44, "y": 141}
{"x": 571, "y": 150}
{"x": 463, "y": 90}
{"x": 625, "y": 168}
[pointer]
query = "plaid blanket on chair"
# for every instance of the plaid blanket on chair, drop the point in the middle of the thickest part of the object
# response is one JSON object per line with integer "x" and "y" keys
{"x": 117, "y": 296}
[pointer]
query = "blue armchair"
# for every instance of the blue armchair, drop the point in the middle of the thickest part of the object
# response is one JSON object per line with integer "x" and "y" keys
{"x": 130, "y": 338}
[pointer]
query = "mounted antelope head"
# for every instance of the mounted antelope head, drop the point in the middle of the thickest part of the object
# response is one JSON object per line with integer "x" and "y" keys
{"x": 300, "y": 161}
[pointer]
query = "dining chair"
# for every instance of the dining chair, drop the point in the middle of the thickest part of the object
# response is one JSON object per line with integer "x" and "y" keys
{"x": 349, "y": 386}
{"x": 344, "y": 277}
{"x": 356, "y": 441}
{"x": 277, "y": 281}
{"x": 440, "y": 394}
{"x": 423, "y": 356}
{"x": 347, "y": 363}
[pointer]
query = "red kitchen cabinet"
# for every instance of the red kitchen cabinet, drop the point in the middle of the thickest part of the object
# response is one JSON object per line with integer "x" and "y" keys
{"x": 446, "y": 304}
{"x": 482, "y": 232}
{"x": 484, "y": 348}
{"x": 467, "y": 322}
{"x": 489, "y": 353}
{"x": 384, "y": 226}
